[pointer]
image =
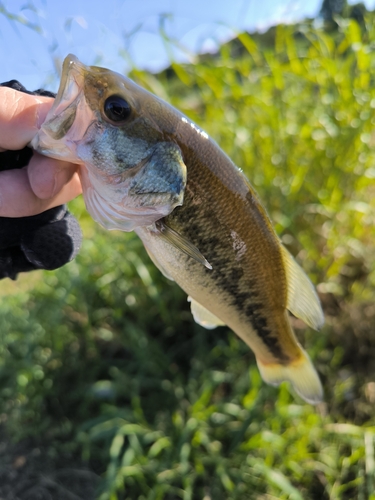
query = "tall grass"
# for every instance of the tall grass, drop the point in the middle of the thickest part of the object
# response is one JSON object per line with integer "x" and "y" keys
{"x": 103, "y": 357}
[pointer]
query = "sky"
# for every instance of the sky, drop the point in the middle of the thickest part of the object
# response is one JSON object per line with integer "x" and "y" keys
{"x": 106, "y": 32}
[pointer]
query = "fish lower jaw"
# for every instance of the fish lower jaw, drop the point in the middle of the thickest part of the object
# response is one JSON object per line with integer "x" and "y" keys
{"x": 47, "y": 146}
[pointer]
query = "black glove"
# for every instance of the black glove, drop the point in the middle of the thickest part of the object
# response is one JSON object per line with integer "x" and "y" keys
{"x": 45, "y": 241}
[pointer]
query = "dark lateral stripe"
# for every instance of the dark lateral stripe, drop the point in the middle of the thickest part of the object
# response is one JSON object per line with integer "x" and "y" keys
{"x": 246, "y": 304}
{"x": 228, "y": 275}
{"x": 259, "y": 323}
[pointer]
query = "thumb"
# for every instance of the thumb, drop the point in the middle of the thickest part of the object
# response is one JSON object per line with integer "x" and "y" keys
{"x": 21, "y": 115}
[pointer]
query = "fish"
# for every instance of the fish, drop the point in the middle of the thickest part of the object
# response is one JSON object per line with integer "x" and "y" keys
{"x": 146, "y": 167}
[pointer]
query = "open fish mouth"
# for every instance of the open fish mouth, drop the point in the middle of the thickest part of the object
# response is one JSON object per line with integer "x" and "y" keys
{"x": 64, "y": 109}
{"x": 64, "y": 121}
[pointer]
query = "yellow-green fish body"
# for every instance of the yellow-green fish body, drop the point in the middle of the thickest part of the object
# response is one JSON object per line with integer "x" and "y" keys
{"x": 252, "y": 273}
{"x": 147, "y": 167}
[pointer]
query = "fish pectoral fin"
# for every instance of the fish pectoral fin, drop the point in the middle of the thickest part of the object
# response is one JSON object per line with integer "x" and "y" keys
{"x": 300, "y": 373}
{"x": 203, "y": 316}
{"x": 302, "y": 299}
{"x": 175, "y": 239}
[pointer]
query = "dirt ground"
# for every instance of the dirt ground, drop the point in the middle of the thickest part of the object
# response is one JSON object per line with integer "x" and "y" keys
{"x": 28, "y": 472}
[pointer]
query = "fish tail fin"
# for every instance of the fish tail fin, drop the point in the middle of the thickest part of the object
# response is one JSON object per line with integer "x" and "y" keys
{"x": 300, "y": 373}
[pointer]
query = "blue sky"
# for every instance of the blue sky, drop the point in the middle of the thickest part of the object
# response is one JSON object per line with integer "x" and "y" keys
{"x": 97, "y": 31}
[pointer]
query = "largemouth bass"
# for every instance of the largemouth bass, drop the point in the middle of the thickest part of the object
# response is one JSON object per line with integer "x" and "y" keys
{"x": 144, "y": 166}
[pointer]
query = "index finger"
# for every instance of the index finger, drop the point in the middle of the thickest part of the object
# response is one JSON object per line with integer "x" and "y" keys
{"x": 21, "y": 116}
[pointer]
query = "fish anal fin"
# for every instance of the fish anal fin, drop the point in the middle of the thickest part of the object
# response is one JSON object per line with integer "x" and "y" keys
{"x": 302, "y": 300}
{"x": 203, "y": 316}
{"x": 300, "y": 373}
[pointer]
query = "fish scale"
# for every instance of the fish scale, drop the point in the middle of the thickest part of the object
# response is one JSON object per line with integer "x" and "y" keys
{"x": 147, "y": 167}
{"x": 207, "y": 227}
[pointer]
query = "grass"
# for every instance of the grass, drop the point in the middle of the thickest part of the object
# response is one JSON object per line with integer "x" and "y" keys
{"x": 102, "y": 358}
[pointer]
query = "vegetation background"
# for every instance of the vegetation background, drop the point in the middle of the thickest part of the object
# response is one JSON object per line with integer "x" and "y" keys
{"x": 109, "y": 390}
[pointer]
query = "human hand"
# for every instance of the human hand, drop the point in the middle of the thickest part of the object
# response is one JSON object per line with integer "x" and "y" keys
{"x": 32, "y": 234}
{"x": 44, "y": 182}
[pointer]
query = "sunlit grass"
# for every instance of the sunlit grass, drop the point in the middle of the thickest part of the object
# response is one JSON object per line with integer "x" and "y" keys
{"x": 103, "y": 356}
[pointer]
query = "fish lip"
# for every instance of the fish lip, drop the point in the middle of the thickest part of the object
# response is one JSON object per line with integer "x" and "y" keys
{"x": 71, "y": 63}
{"x": 62, "y": 113}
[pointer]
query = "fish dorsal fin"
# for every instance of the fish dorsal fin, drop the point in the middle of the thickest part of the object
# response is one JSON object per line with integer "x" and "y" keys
{"x": 180, "y": 242}
{"x": 303, "y": 300}
{"x": 202, "y": 316}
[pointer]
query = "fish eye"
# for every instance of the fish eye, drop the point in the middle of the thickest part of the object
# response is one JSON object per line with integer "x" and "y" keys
{"x": 116, "y": 108}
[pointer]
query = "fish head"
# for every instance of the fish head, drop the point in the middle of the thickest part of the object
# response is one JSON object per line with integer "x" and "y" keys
{"x": 131, "y": 169}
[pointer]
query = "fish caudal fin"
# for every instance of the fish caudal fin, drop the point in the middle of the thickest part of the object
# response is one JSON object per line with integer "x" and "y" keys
{"x": 300, "y": 373}
{"x": 204, "y": 317}
{"x": 303, "y": 300}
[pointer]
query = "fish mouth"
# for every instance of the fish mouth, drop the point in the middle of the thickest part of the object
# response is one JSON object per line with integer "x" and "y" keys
{"x": 69, "y": 117}
{"x": 64, "y": 109}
